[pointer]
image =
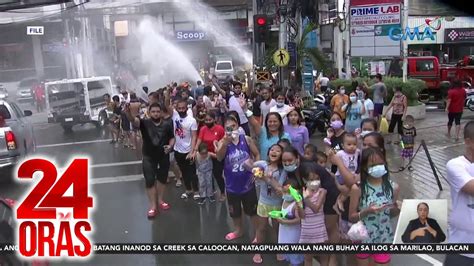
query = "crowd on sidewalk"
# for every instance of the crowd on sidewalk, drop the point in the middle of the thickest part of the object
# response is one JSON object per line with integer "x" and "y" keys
{"x": 256, "y": 148}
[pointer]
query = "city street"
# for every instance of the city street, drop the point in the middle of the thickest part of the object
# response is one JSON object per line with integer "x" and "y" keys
{"x": 121, "y": 204}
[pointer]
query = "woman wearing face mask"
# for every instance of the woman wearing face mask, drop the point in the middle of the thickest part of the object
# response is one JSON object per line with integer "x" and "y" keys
{"x": 374, "y": 202}
{"x": 300, "y": 170}
{"x": 335, "y": 135}
{"x": 238, "y": 151}
{"x": 400, "y": 106}
{"x": 338, "y": 101}
{"x": 298, "y": 134}
{"x": 354, "y": 111}
{"x": 367, "y": 126}
{"x": 211, "y": 134}
{"x": 281, "y": 108}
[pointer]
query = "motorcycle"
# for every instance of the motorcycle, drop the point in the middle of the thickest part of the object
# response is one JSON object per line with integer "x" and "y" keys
{"x": 469, "y": 102}
{"x": 318, "y": 116}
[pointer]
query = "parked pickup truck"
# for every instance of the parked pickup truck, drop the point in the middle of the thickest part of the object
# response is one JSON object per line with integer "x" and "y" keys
{"x": 16, "y": 136}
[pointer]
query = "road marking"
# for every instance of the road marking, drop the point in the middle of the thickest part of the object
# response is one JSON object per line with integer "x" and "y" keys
{"x": 73, "y": 143}
{"x": 116, "y": 179}
{"x": 115, "y": 164}
{"x": 430, "y": 259}
{"x": 120, "y": 179}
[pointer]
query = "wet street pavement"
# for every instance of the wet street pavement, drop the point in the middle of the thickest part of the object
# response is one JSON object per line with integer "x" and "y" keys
{"x": 121, "y": 204}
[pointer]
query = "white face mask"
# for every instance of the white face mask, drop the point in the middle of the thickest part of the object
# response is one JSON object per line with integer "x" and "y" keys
{"x": 235, "y": 134}
{"x": 365, "y": 132}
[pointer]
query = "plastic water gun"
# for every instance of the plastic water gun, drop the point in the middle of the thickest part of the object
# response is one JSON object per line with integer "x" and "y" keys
{"x": 278, "y": 214}
{"x": 259, "y": 168}
{"x": 295, "y": 194}
{"x": 257, "y": 172}
{"x": 402, "y": 144}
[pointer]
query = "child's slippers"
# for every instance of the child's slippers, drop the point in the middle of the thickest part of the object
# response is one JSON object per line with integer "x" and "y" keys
{"x": 231, "y": 236}
{"x": 257, "y": 259}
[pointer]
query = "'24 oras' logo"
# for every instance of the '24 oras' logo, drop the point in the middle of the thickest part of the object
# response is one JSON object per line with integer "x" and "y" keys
{"x": 45, "y": 225}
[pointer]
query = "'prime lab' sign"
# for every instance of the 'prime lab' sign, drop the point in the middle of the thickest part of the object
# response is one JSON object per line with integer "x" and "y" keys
{"x": 190, "y": 35}
{"x": 375, "y": 15}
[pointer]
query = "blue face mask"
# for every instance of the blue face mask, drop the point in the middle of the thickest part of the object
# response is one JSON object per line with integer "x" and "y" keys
{"x": 288, "y": 197}
{"x": 290, "y": 168}
{"x": 377, "y": 171}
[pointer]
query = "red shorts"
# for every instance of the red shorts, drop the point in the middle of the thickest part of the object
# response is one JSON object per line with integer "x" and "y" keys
{"x": 378, "y": 258}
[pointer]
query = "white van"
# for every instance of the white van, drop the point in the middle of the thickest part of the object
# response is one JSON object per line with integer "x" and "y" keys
{"x": 77, "y": 101}
{"x": 223, "y": 69}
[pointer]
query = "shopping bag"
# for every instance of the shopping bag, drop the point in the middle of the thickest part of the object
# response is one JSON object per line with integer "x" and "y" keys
{"x": 383, "y": 126}
{"x": 358, "y": 232}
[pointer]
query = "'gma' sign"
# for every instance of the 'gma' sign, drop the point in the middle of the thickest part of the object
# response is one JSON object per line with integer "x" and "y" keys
{"x": 397, "y": 34}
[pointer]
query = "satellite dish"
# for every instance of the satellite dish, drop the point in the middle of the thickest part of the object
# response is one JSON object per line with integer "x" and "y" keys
{"x": 449, "y": 18}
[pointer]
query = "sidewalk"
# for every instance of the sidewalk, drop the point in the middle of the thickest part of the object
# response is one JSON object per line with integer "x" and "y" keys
{"x": 421, "y": 183}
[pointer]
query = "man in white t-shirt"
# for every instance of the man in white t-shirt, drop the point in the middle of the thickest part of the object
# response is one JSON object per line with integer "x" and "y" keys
{"x": 267, "y": 103}
{"x": 461, "y": 180}
{"x": 281, "y": 108}
{"x": 323, "y": 83}
{"x": 234, "y": 105}
{"x": 185, "y": 132}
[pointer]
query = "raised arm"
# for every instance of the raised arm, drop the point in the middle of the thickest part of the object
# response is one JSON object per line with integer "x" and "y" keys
{"x": 221, "y": 91}
{"x": 134, "y": 120}
{"x": 253, "y": 148}
{"x": 252, "y": 121}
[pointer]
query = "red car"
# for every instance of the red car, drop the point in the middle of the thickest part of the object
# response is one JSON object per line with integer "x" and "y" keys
{"x": 7, "y": 234}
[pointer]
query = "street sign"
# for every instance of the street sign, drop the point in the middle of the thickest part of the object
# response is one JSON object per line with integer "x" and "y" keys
{"x": 291, "y": 46}
{"x": 281, "y": 57}
{"x": 307, "y": 75}
{"x": 263, "y": 76}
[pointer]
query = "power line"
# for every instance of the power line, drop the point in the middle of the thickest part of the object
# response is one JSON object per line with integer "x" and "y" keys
{"x": 43, "y": 16}
{"x": 54, "y": 10}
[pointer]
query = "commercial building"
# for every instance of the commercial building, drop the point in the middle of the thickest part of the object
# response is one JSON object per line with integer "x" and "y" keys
{"x": 92, "y": 38}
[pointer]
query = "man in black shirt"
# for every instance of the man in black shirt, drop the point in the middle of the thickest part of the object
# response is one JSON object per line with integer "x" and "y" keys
{"x": 158, "y": 140}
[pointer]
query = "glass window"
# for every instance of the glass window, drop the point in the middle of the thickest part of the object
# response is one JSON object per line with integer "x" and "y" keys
{"x": 27, "y": 83}
{"x": 4, "y": 112}
{"x": 17, "y": 110}
{"x": 168, "y": 17}
{"x": 224, "y": 66}
{"x": 424, "y": 65}
{"x": 184, "y": 26}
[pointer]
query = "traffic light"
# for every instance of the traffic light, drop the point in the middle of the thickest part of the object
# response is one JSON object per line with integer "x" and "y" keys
{"x": 260, "y": 28}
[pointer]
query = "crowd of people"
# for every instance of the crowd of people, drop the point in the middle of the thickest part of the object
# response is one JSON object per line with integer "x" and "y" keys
{"x": 216, "y": 132}
{"x": 213, "y": 132}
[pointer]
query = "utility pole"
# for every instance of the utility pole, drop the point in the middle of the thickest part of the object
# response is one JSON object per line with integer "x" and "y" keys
{"x": 69, "y": 52}
{"x": 339, "y": 50}
{"x": 405, "y": 42}
{"x": 282, "y": 38}
{"x": 348, "y": 43}
{"x": 255, "y": 46}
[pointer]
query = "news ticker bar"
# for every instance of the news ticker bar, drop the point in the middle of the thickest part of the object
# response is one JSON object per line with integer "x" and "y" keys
{"x": 201, "y": 248}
